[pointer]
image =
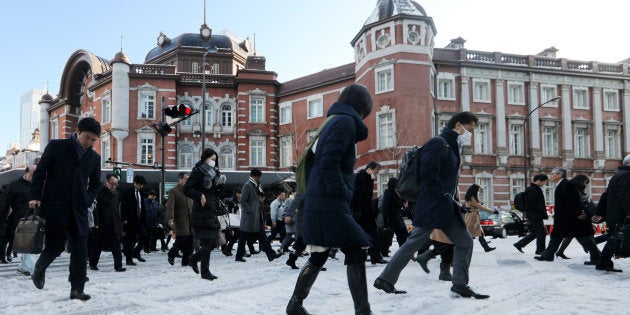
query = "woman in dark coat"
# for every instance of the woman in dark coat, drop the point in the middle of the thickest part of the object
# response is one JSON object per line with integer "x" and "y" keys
{"x": 202, "y": 188}
{"x": 392, "y": 218}
{"x": 328, "y": 220}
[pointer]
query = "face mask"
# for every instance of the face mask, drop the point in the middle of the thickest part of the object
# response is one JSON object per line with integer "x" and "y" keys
{"x": 372, "y": 176}
{"x": 212, "y": 163}
{"x": 466, "y": 138}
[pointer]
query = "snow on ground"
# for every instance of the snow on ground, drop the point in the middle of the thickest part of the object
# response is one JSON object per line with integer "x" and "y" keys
{"x": 516, "y": 282}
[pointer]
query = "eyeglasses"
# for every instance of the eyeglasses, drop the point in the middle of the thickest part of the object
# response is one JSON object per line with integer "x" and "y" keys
{"x": 113, "y": 184}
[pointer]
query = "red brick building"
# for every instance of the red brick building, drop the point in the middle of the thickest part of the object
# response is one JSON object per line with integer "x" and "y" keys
{"x": 253, "y": 120}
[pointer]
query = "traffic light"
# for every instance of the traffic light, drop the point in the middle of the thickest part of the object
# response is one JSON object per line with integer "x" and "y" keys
{"x": 178, "y": 111}
{"x": 163, "y": 128}
{"x": 116, "y": 172}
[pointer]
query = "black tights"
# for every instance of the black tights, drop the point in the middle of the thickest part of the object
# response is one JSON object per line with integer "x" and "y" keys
{"x": 354, "y": 256}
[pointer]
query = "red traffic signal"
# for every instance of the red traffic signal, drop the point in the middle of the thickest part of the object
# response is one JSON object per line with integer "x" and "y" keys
{"x": 178, "y": 111}
{"x": 184, "y": 110}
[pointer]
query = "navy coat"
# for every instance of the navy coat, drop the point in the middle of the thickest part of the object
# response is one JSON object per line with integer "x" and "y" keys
{"x": 327, "y": 217}
{"x": 435, "y": 206}
{"x": 66, "y": 186}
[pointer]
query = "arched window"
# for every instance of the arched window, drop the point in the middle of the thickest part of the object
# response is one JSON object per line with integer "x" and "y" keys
{"x": 226, "y": 115}
{"x": 208, "y": 115}
{"x": 227, "y": 158}
{"x": 185, "y": 159}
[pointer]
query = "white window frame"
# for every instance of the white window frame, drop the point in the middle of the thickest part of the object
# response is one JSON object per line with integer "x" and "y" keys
{"x": 481, "y": 90}
{"x": 146, "y": 141}
{"x": 208, "y": 111}
{"x": 581, "y": 142}
{"x": 516, "y": 93}
{"x": 611, "y": 100}
{"x": 185, "y": 157}
{"x": 314, "y": 107}
{"x": 146, "y": 104}
{"x": 549, "y": 136}
{"x": 257, "y": 151}
{"x": 256, "y": 108}
{"x": 484, "y": 180}
{"x": 446, "y": 88}
{"x": 215, "y": 68}
{"x": 580, "y": 97}
{"x": 106, "y": 104}
{"x": 383, "y": 177}
{"x": 549, "y": 192}
{"x": 286, "y": 151}
{"x": 384, "y": 79}
{"x": 227, "y": 116}
{"x": 386, "y": 128}
{"x": 613, "y": 143}
{"x": 194, "y": 66}
{"x": 106, "y": 150}
{"x": 517, "y": 184}
{"x": 54, "y": 128}
{"x": 517, "y": 132}
{"x": 483, "y": 137}
{"x": 226, "y": 157}
{"x": 548, "y": 92}
{"x": 286, "y": 113}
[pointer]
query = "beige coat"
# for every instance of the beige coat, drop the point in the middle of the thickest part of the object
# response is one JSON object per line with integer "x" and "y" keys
{"x": 178, "y": 209}
{"x": 472, "y": 219}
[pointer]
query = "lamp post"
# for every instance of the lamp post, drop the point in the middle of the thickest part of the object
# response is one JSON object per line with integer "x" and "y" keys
{"x": 525, "y": 164}
{"x": 203, "y": 102}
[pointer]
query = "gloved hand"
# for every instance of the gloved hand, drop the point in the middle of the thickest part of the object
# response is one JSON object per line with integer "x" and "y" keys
{"x": 496, "y": 211}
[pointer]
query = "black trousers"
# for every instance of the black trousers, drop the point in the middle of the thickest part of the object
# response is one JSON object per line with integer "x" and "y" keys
{"x": 99, "y": 240}
{"x": 134, "y": 240}
{"x": 185, "y": 244}
{"x": 537, "y": 232}
{"x": 153, "y": 235}
{"x": 54, "y": 244}
{"x": 263, "y": 243}
{"x": 353, "y": 256}
{"x": 277, "y": 232}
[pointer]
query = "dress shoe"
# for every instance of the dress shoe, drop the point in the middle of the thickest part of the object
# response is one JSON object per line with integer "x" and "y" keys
{"x": 9, "y": 258}
{"x": 240, "y": 259}
{"x": 538, "y": 252}
{"x": 386, "y": 286}
{"x": 519, "y": 248}
{"x": 274, "y": 256}
{"x": 226, "y": 252}
{"x": 467, "y": 292}
{"x": 322, "y": 269}
{"x": 591, "y": 262}
{"x": 607, "y": 267}
{"x": 254, "y": 252}
{"x": 3, "y": 261}
{"x": 26, "y": 273}
{"x": 380, "y": 261}
{"x": 541, "y": 258}
{"x": 171, "y": 260}
{"x": 209, "y": 276}
{"x": 248, "y": 255}
{"x": 38, "y": 280}
{"x": 130, "y": 263}
{"x": 120, "y": 269}
{"x": 78, "y": 295}
{"x": 94, "y": 268}
{"x": 561, "y": 255}
{"x": 139, "y": 258}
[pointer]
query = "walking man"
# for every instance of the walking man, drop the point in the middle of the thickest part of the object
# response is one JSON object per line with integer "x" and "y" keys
{"x": 437, "y": 207}
{"x": 64, "y": 185}
{"x": 536, "y": 212}
{"x": 133, "y": 215}
{"x": 179, "y": 208}
{"x": 107, "y": 224}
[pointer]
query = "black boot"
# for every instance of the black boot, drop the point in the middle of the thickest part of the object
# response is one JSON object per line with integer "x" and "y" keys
{"x": 358, "y": 288}
{"x": 424, "y": 258}
{"x": 205, "y": 264}
{"x": 485, "y": 245}
{"x": 445, "y": 272}
{"x": 39, "y": 271}
{"x": 305, "y": 281}
{"x": 193, "y": 260}
{"x": 291, "y": 261}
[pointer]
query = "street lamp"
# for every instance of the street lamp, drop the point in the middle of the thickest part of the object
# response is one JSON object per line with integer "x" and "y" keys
{"x": 203, "y": 102}
{"x": 525, "y": 135}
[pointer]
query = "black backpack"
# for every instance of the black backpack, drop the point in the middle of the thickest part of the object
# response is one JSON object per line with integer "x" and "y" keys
{"x": 409, "y": 181}
{"x": 520, "y": 201}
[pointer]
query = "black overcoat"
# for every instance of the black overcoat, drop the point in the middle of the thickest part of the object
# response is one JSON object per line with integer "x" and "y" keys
{"x": 566, "y": 207}
{"x": 129, "y": 209}
{"x": 203, "y": 219}
{"x": 618, "y": 197}
{"x": 107, "y": 212}
{"x": 536, "y": 207}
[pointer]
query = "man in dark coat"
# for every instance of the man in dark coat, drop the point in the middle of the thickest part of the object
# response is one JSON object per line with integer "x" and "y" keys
{"x": 536, "y": 212}
{"x": 437, "y": 207}
{"x": 179, "y": 209}
{"x": 14, "y": 199}
{"x": 107, "y": 224}
{"x": 362, "y": 208}
{"x": 133, "y": 214}
{"x": 64, "y": 185}
{"x": 617, "y": 212}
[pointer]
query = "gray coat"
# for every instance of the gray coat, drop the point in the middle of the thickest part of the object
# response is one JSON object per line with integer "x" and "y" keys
{"x": 289, "y": 210}
{"x": 251, "y": 208}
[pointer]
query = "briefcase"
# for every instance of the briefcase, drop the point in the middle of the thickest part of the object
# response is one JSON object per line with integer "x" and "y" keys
{"x": 29, "y": 233}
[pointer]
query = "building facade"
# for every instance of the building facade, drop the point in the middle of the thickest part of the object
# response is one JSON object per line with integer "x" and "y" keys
{"x": 252, "y": 120}
{"x": 29, "y": 115}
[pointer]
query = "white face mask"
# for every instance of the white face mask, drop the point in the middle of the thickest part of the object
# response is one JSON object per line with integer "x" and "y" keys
{"x": 212, "y": 163}
{"x": 466, "y": 138}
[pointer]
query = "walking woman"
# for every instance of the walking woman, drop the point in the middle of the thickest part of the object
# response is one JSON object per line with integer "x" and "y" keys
{"x": 202, "y": 187}
{"x": 473, "y": 219}
{"x": 328, "y": 220}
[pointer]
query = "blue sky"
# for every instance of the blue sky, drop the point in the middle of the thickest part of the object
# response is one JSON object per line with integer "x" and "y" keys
{"x": 297, "y": 37}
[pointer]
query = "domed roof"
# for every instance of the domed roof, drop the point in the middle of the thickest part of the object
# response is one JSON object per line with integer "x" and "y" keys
{"x": 191, "y": 40}
{"x": 47, "y": 97}
{"x": 121, "y": 57}
{"x": 388, "y": 8}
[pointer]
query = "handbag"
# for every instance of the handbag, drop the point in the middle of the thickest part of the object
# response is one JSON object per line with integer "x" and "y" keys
{"x": 29, "y": 233}
{"x": 623, "y": 240}
{"x": 235, "y": 220}
{"x": 223, "y": 220}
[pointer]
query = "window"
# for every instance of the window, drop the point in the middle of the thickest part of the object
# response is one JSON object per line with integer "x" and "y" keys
{"x": 286, "y": 151}
{"x": 226, "y": 115}
{"x": 107, "y": 110}
{"x": 208, "y": 113}
{"x": 54, "y": 128}
{"x": 146, "y": 106}
{"x": 286, "y": 115}
{"x": 310, "y": 135}
{"x": 257, "y": 151}
{"x": 185, "y": 158}
{"x": 106, "y": 152}
{"x": 146, "y": 149}
{"x": 580, "y": 98}
{"x": 315, "y": 108}
{"x": 516, "y": 93}
{"x": 256, "y": 109}
{"x": 485, "y": 193}
{"x": 226, "y": 158}
{"x": 517, "y": 185}
{"x": 581, "y": 142}
{"x": 446, "y": 89}
{"x": 384, "y": 79}
{"x": 611, "y": 100}
{"x": 386, "y": 130}
{"x": 482, "y": 138}
{"x": 481, "y": 90}
{"x": 550, "y": 141}
{"x": 195, "y": 67}
{"x": 548, "y": 92}
{"x": 216, "y": 69}
{"x": 516, "y": 139}
{"x": 549, "y": 192}
{"x": 383, "y": 40}
{"x": 613, "y": 144}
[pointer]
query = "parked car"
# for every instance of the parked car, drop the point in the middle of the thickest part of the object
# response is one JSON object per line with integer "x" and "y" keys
{"x": 503, "y": 224}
